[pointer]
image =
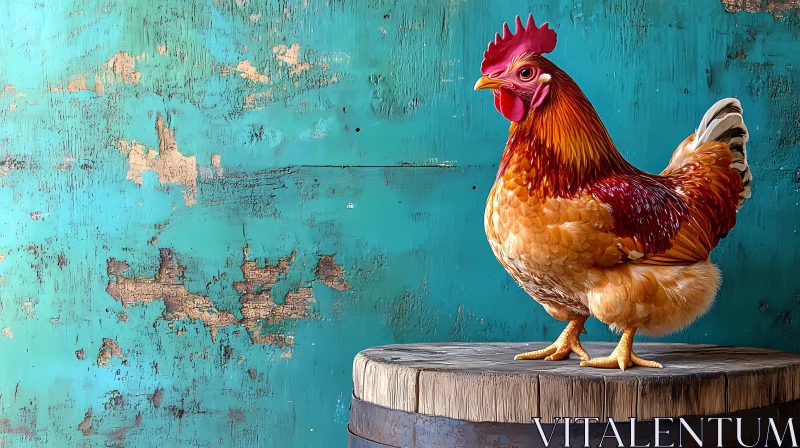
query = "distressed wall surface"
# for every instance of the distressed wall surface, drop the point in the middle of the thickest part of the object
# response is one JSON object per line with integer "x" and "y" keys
{"x": 207, "y": 208}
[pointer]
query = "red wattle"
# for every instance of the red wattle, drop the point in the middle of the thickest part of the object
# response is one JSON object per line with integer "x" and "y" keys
{"x": 508, "y": 104}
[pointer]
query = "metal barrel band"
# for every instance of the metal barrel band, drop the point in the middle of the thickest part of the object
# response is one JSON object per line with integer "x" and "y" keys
{"x": 374, "y": 426}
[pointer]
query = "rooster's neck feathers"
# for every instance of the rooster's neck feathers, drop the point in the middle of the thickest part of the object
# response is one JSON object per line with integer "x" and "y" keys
{"x": 565, "y": 142}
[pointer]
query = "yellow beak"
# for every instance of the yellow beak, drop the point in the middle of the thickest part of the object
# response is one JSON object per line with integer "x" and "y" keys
{"x": 487, "y": 83}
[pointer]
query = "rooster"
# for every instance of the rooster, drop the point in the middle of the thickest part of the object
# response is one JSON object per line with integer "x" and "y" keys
{"x": 583, "y": 231}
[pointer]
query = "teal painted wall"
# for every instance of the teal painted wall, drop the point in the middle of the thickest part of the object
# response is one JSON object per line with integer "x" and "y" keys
{"x": 314, "y": 186}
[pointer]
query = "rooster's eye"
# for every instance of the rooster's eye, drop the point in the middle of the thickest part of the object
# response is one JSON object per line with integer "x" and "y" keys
{"x": 525, "y": 74}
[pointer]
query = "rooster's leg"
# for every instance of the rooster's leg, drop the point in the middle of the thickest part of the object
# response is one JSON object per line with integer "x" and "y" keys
{"x": 622, "y": 357}
{"x": 568, "y": 342}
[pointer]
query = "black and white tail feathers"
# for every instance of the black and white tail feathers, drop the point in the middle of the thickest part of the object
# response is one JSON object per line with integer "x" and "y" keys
{"x": 724, "y": 123}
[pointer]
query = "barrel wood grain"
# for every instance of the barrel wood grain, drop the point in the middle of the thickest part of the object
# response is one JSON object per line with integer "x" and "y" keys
{"x": 359, "y": 368}
{"x": 479, "y": 397}
{"x": 482, "y": 382}
{"x": 394, "y": 387}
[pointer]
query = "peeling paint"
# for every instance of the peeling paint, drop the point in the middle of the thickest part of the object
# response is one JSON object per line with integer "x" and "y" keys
{"x": 236, "y": 415}
{"x": 11, "y": 96}
{"x": 114, "y": 267}
{"x": 120, "y": 433}
{"x": 258, "y": 100}
{"x": 156, "y": 398}
{"x": 214, "y": 171}
{"x": 79, "y": 84}
{"x": 171, "y": 166}
{"x": 110, "y": 349}
{"x": 249, "y": 72}
{"x": 260, "y": 313}
{"x": 288, "y": 55}
{"x": 65, "y": 164}
{"x": 330, "y": 273}
{"x": 5, "y": 427}
{"x": 774, "y": 7}
{"x": 122, "y": 64}
{"x": 259, "y": 310}
{"x": 11, "y": 164}
{"x": 168, "y": 287}
{"x": 291, "y": 57}
{"x": 7, "y": 333}
{"x": 85, "y": 426}
{"x": 29, "y": 308}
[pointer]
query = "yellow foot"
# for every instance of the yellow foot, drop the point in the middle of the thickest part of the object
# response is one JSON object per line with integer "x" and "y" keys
{"x": 568, "y": 342}
{"x": 622, "y": 357}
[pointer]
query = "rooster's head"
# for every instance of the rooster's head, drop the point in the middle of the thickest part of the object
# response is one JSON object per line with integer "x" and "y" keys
{"x": 514, "y": 68}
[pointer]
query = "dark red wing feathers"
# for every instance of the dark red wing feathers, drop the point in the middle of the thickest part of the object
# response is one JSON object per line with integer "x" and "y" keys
{"x": 645, "y": 208}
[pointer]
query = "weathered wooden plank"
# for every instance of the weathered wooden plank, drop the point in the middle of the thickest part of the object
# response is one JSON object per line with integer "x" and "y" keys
{"x": 760, "y": 387}
{"x": 570, "y": 396}
{"x": 678, "y": 395}
{"x": 391, "y": 386}
{"x": 479, "y": 397}
{"x": 359, "y": 370}
{"x": 621, "y": 397}
{"x": 482, "y": 382}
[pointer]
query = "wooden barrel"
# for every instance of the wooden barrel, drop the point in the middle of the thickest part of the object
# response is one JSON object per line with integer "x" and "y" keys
{"x": 476, "y": 395}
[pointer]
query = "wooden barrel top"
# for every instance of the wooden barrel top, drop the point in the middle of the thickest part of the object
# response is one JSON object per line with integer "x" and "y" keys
{"x": 481, "y": 381}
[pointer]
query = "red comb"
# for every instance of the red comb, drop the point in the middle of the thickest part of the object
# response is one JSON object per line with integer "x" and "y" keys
{"x": 526, "y": 39}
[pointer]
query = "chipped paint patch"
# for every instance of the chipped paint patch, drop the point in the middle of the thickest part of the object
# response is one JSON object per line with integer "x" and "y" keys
{"x": 110, "y": 349}
{"x": 119, "y": 433}
{"x": 290, "y": 56}
{"x": 5, "y": 427}
{"x": 290, "y": 63}
{"x": 330, "y": 273}
{"x": 11, "y": 164}
{"x": 300, "y": 67}
{"x": 260, "y": 312}
{"x": 122, "y": 64}
{"x": 287, "y": 55}
{"x": 247, "y": 71}
{"x": 79, "y": 84}
{"x": 85, "y": 426}
{"x": 168, "y": 163}
{"x": 319, "y": 130}
{"x": 29, "y": 308}
{"x": 774, "y": 7}
{"x": 9, "y": 94}
{"x": 258, "y": 100}
{"x": 156, "y": 398}
{"x": 7, "y": 333}
{"x": 114, "y": 267}
{"x": 66, "y": 163}
{"x": 214, "y": 171}
{"x": 168, "y": 287}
